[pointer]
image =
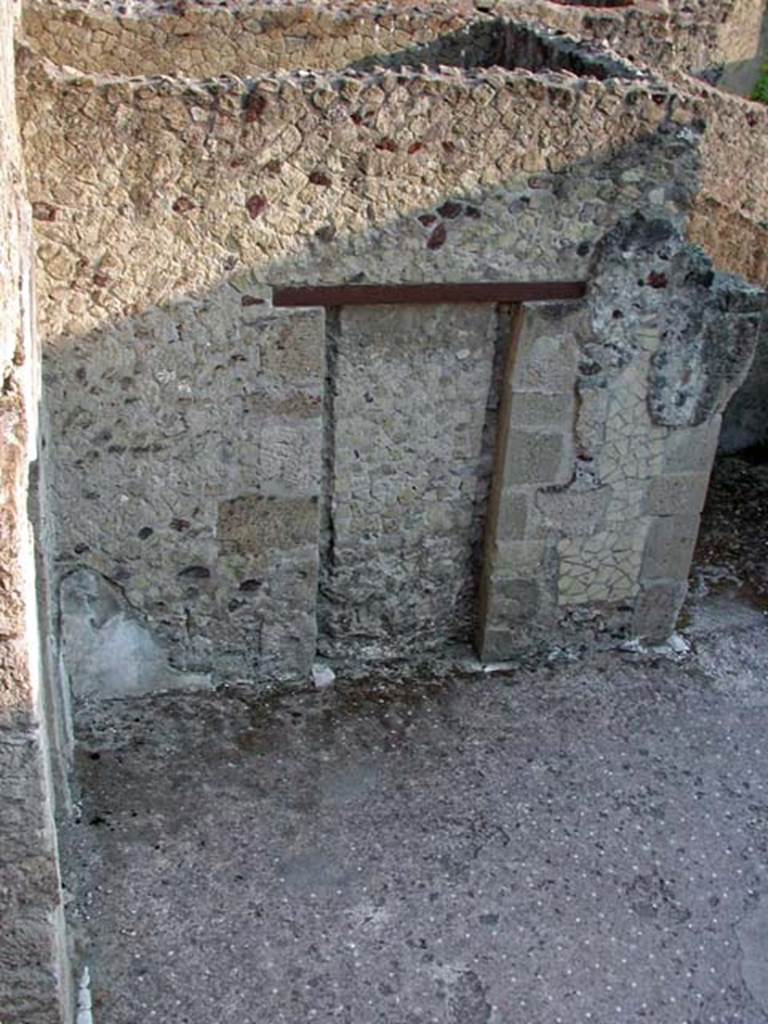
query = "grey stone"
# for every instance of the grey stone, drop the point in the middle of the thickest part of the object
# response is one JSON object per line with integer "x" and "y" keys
{"x": 546, "y": 353}
{"x": 265, "y": 527}
{"x": 515, "y": 600}
{"x": 669, "y": 547}
{"x": 512, "y": 516}
{"x": 534, "y": 458}
{"x": 656, "y": 610}
{"x": 553, "y": 412}
{"x": 678, "y": 494}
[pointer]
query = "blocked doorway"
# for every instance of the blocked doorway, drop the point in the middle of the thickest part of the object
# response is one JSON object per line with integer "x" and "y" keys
{"x": 412, "y": 400}
{"x": 412, "y": 393}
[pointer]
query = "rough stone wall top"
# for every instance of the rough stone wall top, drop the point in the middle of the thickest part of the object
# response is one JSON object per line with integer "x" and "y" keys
{"x": 328, "y": 178}
{"x": 696, "y": 36}
{"x": 201, "y": 39}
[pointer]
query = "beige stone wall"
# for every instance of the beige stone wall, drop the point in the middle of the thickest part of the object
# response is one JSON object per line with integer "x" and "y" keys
{"x": 677, "y": 36}
{"x": 32, "y": 982}
{"x": 167, "y": 209}
{"x": 329, "y": 178}
{"x": 200, "y": 41}
{"x": 155, "y": 266}
{"x": 730, "y": 216}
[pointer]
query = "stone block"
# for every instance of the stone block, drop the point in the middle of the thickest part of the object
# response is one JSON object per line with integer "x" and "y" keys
{"x": 293, "y": 347}
{"x": 512, "y": 517}
{"x": 656, "y": 610}
{"x": 669, "y": 548}
{"x": 264, "y": 527}
{"x": 591, "y": 418}
{"x": 531, "y": 409}
{"x": 545, "y": 359}
{"x": 533, "y": 458}
{"x": 498, "y": 644}
{"x": 520, "y": 559}
{"x": 514, "y": 601}
{"x": 677, "y": 494}
{"x": 692, "y": 449}
{"x": 574, "y": 512}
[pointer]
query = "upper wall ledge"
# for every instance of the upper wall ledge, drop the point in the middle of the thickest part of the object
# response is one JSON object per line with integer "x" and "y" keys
{"x": 204, "y": 39}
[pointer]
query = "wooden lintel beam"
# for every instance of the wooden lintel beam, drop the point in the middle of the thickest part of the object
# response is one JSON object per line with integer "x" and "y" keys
{"x": 428, "y": 294}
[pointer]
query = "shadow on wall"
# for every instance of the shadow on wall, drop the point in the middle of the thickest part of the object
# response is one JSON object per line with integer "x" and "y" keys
{"x": 198, "y": 445}
{"x": 509, "y": 45}
{"x": 745, "y": 421}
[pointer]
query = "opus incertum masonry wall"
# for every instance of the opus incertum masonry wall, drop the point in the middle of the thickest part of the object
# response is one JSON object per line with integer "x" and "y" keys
{"x": 237, "y": 486}
{"x": 227, "y": 487}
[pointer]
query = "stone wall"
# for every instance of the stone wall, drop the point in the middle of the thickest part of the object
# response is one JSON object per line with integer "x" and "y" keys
{"x": 200, "y": 41}
{"x": 697, "y": 37}
{"x": 33, "y": 984}
{"x": 612, "y": 413}
{"x": 312, "y": 178}
{"x": 413, "y": 407}
{"x": 730, "y": 217}
{"x": 233, "y": 482}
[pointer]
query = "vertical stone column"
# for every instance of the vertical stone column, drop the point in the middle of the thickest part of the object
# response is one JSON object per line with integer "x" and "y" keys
{"x": 33, "y": 983}
{"x": 534, "y": 452}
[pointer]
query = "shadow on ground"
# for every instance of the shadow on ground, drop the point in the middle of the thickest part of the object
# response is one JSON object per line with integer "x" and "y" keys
{"x": 585, "y": 842}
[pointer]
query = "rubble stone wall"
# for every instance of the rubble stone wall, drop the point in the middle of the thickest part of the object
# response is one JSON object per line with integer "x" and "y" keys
{"x": 730, "y": 217}
{"x": 696, "y": 38}
{"x": 197, "y": 40}
{"x": 188, "y": 416}
{"x": 33, "y": 984}
{"x": 227, "y": 476}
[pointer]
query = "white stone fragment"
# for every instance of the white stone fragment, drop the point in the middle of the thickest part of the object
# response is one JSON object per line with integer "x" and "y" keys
{"x": 675, "y": 647}
{"x": 84, "y": 1005}
{"x": 498, "y": 666}
{"x": 323, "y": 676}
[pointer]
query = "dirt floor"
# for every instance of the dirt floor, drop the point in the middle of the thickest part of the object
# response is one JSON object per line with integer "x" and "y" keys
{"x": 586, "y": 842}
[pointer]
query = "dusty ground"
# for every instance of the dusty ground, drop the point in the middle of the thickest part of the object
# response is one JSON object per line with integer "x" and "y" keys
{"x": 732, "y": 553}
{"x": 583, "y": 843}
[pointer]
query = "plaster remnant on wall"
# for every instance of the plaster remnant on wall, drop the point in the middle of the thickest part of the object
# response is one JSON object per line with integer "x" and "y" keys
{"x": 107, "y": 650}
{"x": 602, "y": 568}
